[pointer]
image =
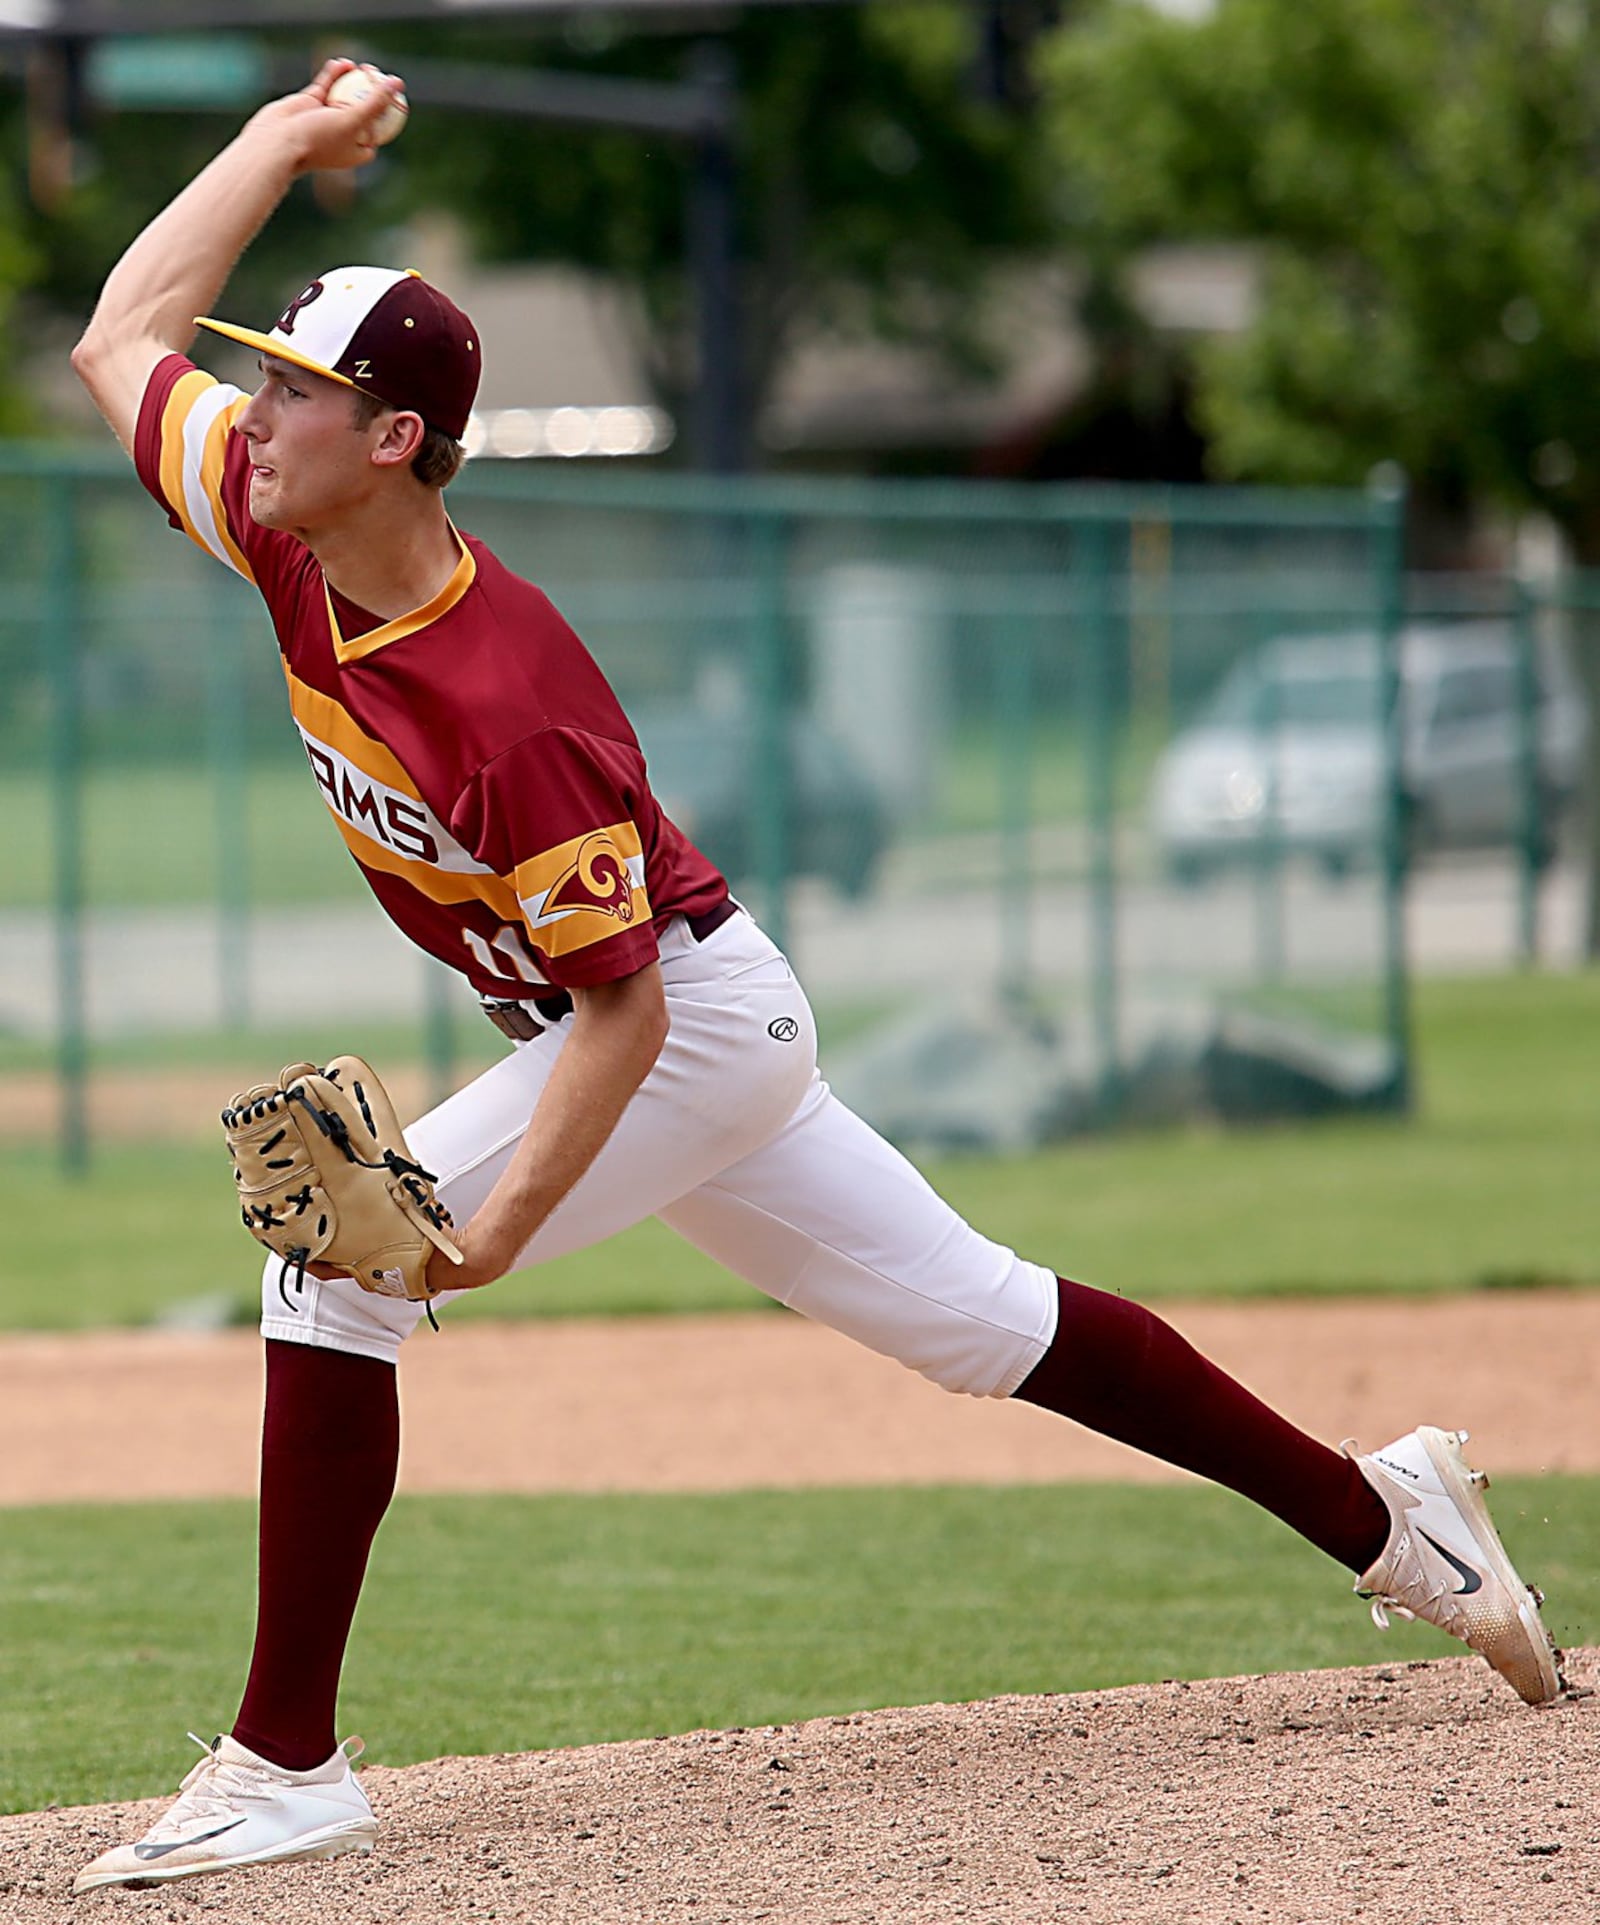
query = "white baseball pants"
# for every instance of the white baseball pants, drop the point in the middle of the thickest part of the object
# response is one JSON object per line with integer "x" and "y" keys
{"x": 735, "y": 1142}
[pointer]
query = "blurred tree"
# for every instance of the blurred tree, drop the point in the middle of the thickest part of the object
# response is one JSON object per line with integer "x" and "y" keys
{"x": 17, "y": 267}
{"x": 876, "y": 179}
{"x": 126, "y": 167}
{"x": 71, "y": 199}
{"x": 1423, "y": 177}
{"x": 881, "y": 169}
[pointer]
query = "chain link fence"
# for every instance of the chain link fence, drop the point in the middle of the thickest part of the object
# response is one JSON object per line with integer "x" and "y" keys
{"x": 1016, "y": 774}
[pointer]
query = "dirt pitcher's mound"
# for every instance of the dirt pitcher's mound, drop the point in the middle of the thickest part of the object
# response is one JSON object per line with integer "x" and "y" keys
{"x": 1425, "y": 1792}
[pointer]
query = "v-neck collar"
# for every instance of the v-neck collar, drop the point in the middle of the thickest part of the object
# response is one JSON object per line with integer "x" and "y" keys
{"x": 466, "y": 572}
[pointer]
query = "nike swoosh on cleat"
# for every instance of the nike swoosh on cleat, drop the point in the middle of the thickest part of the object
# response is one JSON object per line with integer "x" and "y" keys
{"x": 1470, "y": 1579}
{"x": 147, "y": 1852}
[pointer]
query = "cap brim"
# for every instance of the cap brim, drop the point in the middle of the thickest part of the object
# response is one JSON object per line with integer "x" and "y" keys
{"x": 252, "y": 338}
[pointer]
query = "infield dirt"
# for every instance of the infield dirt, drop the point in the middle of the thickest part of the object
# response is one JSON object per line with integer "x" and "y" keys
{"x": 1420, "y": 1796}
{"x": 761, "y": 1401}
{"x": 1403, "y": 1795}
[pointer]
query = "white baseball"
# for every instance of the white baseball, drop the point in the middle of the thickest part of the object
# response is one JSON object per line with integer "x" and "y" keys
{"x": 355, "y": 88}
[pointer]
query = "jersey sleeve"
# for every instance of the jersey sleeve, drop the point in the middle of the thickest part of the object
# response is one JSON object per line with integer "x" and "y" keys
{"x": 195, "y": 466}
{"x": 554, "y": 817}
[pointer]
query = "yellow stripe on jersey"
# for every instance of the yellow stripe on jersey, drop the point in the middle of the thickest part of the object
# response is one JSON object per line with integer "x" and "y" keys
{"x": 384, "y": 821}
{"x": 195, "y": 423}
{"x": 585, "y": 890}
{"x": 438, "y": 885}
{"x": 321, "y": 716}
{"x": 212, "y": 461}
{"x": 186, "y": 391}
{"x": 577, "y": 894}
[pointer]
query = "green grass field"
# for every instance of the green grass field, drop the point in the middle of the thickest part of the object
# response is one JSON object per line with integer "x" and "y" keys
{"x": 1490, "y": 1186}
{"x": 560, "y": 1621}
{"x": 504, "y": 1624}
{"x": 157, "y": 836}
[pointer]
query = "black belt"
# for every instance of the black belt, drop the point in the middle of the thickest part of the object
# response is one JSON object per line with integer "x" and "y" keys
{"x": 516, "y": 1020}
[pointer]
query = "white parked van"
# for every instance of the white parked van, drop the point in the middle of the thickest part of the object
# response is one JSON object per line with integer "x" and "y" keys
{"x": 1288, "y": 755}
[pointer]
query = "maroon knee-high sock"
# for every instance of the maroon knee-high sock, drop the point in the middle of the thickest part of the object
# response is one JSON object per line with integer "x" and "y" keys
{"x": 330, "y": 1447}
{"x": 1119, "y": 1369}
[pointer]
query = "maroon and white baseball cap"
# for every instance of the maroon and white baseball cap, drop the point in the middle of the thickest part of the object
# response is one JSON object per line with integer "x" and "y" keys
{"x": 383, "y": 330}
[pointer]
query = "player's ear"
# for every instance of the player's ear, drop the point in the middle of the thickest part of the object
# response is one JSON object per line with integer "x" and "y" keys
{"x": 401, "y": 435}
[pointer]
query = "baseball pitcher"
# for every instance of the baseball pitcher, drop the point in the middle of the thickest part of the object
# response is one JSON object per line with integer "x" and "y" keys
{"x": 662, "y": 1055}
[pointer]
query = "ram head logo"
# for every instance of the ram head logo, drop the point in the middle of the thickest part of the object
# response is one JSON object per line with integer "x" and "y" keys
{"x": 597, "y": 880}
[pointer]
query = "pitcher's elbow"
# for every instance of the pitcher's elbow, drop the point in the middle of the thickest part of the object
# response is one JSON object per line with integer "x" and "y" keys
{"x": 86, "y": 355}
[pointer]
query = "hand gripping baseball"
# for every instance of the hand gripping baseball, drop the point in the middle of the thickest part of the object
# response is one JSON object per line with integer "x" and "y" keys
{"x": 324, "y": 1176}
{"x": 329, "y": 134}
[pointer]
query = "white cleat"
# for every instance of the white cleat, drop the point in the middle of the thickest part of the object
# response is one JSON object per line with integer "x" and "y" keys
{"x": 235, "y": 1809}
{"x": 1444, "y": 1562}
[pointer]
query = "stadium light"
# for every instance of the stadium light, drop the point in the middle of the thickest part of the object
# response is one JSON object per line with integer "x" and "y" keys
{"x": 518, "y": 434}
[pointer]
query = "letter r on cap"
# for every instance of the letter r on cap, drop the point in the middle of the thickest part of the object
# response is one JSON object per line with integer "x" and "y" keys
{"x": 287, "y": 319}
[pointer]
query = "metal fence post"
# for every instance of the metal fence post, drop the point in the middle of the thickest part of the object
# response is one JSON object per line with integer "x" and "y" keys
{"x": 62, "y": 641}
{"x": 1531, "y": 824}
{"x": 1093, "y": 541}
{"x": 769, "y": 825}
{"x": 1150, "y": 610}
{"x": 1389, "y": 562}
{"x": 438, "y": 1031}
{"x": 1270, "y": 859}
{"x": 230, "y": 786}
{"x": 1014, "y": 738}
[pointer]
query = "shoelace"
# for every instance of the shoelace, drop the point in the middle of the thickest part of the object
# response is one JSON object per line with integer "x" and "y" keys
{"x": 211, "y": 1790}
{"x": 1382, "y": 1606}
{"x": 216, "y": 1786}
{"x": 1432, "y": 1594}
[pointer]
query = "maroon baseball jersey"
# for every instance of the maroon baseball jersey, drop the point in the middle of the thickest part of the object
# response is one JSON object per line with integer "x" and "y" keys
{"x": 475, "y": 759}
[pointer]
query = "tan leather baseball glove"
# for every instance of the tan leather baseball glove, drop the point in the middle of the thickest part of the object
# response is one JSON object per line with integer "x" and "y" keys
{"x": 325, "y": 1176}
